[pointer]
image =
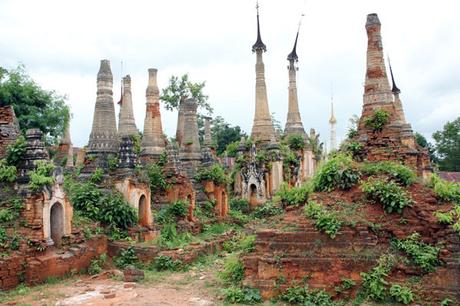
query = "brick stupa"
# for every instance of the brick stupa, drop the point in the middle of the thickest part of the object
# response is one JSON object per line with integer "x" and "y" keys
{"x": 395, "y": 141}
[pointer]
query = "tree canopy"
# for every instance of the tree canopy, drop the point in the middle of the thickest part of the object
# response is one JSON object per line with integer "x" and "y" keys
{"x": 447, "y": 143}
{"x": 223, "y": 134}
{"x": 421, "y": 141}
{"x": 34, "y": 107}
{"x": 182, "y": 88}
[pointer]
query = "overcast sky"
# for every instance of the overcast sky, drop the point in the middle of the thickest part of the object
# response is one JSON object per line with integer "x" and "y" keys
{"x": 62, "y": 42}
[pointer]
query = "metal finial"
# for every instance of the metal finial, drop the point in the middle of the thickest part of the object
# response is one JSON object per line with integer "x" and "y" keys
{"x": 394, "y": 88}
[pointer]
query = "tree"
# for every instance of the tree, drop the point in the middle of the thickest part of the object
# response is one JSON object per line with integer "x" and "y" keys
{"x": 180, "y": 89}
{"x": 447, "y": 144}
{"x": 223, "y": 134}
{"x": 421, "y": 141}
{"x": 34, "y": 106}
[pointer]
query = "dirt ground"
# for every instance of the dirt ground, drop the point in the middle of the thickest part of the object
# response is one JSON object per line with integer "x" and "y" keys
{"x": 196, "y": 287}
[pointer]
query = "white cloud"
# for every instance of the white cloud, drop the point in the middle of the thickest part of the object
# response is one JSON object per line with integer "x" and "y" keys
{"x": 61, "y": 43}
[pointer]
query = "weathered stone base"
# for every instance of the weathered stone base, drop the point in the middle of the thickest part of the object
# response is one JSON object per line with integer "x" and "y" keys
{"x": 35, "y": 269}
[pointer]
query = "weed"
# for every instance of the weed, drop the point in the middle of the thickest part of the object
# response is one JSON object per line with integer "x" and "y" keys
{"x": 445, "y": 191}
{"x": 377, "y": 121}
{"x": 295, "y": 196}
{"x": 338, "y": 172}
{"x": 267, "y": 210}
{"x": 7, "y": 173}
{"x": 163, "y": 263}
{"x": 401, "y": 294}
{"x": 242, "y": 295}
{"x": 233, "y": 271}
{"x": 392, "y": 197}
{"x": 444, "y": 218}
{"x": 396, "y": 172}
{"x": 126, "y": 257}
{"x": 325, "y": 220}
{"x": 97, "y": 265}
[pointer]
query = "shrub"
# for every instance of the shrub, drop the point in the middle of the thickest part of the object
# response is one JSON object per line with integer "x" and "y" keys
{"x": 215, "y": 173}
{"x": 233, "y": 271}
{"x": 97, "y": 265}
{"x": 325, "y": 220}
{"x": 374, "y": 284}
{"x": 239, "y": 204}
{"x": 86, "y": 199}
{"x": 125, "y": 258}
{"x": 97, "y": 176}
{"x": 116, "y": 212}
{"x": 445, "y": 191}
{"x": 421, "y": 254}
{"x": 296, "y": 142}
{"x": 392, "y": 197}
{"x": 355, "y": 148}
{"x": 7, "y": 173}
{"x": 112, "y": 162}
{"x": 164, "y": 263}
{"x": 42, "y": 175}
{"x": 401, "y": 294}
{"x": 303, "y": 296}
{"x": 444, "y": 218}
{"x": 242, "y": 295}
{"x": 340, "y": 171}
{"x": 378, "y": 120}
{"x": 157, "y": 178}
{"x": 241, "y": 242}
{"x": 15, "y": 152}
{"x": 169, "y": 238}
{"x": 397, "y": 172}
{"x": 266, "y": 210}
{"x": 295, "y": 196}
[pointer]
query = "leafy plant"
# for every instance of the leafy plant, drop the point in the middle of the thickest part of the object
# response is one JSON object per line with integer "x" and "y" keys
{"x": 295, "y": 196}
{"x": 215, "y": 173}
{"x": 157, "y": 178}
{"x": 266, "y": 210}
{"x": 325, "y": 220}
{"x": 97, "y": 265}
{"x": 355, "y": 148}
{"x": 246, "y": 296}
{"x": 163, "y": 263}
{"x": 97, "y": 176}
{"x": 243, "y": 243}
{"x": 392, "y": 197}
{"x": 116, "y": 212}
{"x": 112, "y": 162}
{"x": 15, "y": 152}
{"x": 421, "y": 254}
{"x": 7, "y": 173}
{"x": 340, "y": 171}
{"x": 374, "y": 285}
{"x": 42, "y": 175}
{"x": 303, "y": 296}
{"x": 446, "y": 302}
{"x": 378, "y": 120}
{"x": 444, "y": 218}
{"x": 233, "y": 271}
{"x": 444, "y": 190}
{"x": 397, "y": 172}
{"x": 296, "y": 142}
{"x": 126, "y": 257}
{"x": 239, "y": 204}
{"x": 401, "y": 294}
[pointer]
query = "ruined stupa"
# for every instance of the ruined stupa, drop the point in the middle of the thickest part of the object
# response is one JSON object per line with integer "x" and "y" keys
{"x": 126, "y": 123}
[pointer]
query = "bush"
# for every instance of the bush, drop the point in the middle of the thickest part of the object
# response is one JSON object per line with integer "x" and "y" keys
{"x": 166, "y": 263}
{"x": 355, "y": 148}
{"x": 374, "y": 284}
{"x": 378, "y": 120}
{"x": 303, "y": 296}
{"x": 126, "y": 258}
{"x": 325, "y": 220}
{"x": 444, "y": 190}
{"x": 397, "y": 172}
{"x": 112, "y": 162}
{"x": 215, "y": 173}
{"x": 86, "y": 199}
{"x": 157, "y": 178}
{"x": 392, "y": 197}
{"x": 172, "y": 212}
{"x": 239, "y": 204}
{"x": 295, "y": 196}
{"x": 97, "y": 265}
{"x": 444, "y": 218}
{"x": 42, "y": 175}
{"x": 340, "y": 171}
{"x": 233, "y": 271}
{"x": 242, "y": 295}
{"x": 240, "y": 243}
{"x": 266, "y": 210}
{"x": 97, "y": 176}
{"x": 7, "y": 173}
{"x": 296, "y": 142}
{"x": 116, "y": 212}
{"x": 401, "y": 294}
{"x": 15, "y": 152}
{"x": 421, "y": 254}
{"x": 169, "y": 238}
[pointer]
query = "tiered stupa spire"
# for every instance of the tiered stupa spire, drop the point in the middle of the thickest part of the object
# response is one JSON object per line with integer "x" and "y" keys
{"x": 262, "y": 129}
{"x": 153, "y": 142}
{"x": 294, "y": 124}
{"x": 126, "y": 123}
{"x": 332, "y": 123}
{"x": 103, "y": 137}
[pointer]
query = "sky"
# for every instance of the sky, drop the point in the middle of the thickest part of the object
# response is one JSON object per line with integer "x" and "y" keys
{"x": 61, "y": 44}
